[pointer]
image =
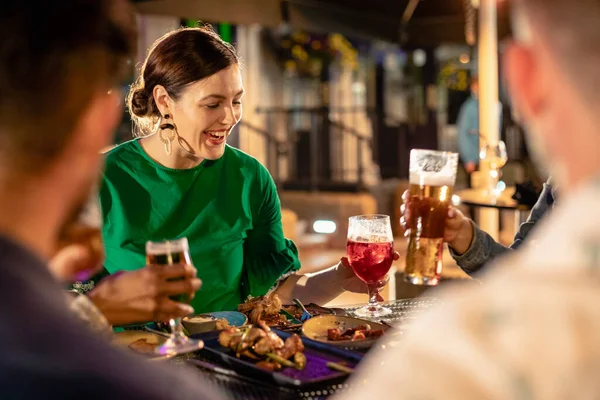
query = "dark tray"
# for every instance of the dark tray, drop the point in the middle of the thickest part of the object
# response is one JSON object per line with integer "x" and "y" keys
{"x": 316, "y": 374}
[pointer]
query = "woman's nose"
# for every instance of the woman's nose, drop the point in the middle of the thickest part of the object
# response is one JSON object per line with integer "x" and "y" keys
{"x": 229, "y": 116}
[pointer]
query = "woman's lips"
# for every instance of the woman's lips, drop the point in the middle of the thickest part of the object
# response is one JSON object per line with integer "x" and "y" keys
{"x": 216, "y": 137}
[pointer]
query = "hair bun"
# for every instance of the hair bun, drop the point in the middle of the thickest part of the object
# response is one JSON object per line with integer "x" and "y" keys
{"x": 140, "y": 102}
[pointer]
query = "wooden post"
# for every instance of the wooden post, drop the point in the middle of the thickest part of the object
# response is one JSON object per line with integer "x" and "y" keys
{"x": 489, "y": 119}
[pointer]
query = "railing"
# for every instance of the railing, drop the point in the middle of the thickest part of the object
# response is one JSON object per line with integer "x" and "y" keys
{"x": 276, "y": 150}
{"x": 311, "y": 136}
{"x": 340, "y": 131}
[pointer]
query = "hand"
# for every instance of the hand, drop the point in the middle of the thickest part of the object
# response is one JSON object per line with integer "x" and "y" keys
{"x": 76, "y": 262}
{"x": 470, "y": 167}
{"x": 458, "y": 232}
{"x": 351, "y": 283}
{"x": 143, "y": 295}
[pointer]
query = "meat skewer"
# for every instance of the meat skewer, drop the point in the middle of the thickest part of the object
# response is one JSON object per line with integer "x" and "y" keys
{"x": 260, "y": 341}
{"x": 264, "y": 308}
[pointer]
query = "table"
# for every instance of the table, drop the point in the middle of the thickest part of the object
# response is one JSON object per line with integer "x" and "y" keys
{"x": 478, "y": 198}
{"x": 237, "y": 387}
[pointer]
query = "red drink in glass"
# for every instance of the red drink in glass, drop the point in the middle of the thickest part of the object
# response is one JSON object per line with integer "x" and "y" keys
{"x": 370, "y": 261}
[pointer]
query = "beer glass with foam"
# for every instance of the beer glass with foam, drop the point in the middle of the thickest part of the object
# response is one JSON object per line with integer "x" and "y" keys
{"x": 432, "y": 178}
{"x": 172, "y": 252}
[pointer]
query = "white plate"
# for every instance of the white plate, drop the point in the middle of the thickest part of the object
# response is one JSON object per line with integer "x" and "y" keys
{"x": 316, "y": 329}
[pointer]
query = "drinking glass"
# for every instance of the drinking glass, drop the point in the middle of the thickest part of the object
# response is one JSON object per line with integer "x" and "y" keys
{"x": 432, "y": 178}
{"x": 168, "y": 253}
{"x": 494, "y": 156}
{"x": 370, "y": 251}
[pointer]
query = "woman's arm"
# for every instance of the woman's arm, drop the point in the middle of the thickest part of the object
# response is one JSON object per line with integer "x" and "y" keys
{"x": 318, "y": 288}
{"x": 269, "y": 258}
{"x": 326, "y": 285}
{"x": 271, "y": 261}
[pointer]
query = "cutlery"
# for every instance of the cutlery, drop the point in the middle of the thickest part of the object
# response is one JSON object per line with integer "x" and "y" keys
{"x": 305, "y": 314}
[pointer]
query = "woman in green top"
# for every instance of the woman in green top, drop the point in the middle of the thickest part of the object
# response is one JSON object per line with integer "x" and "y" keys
{"x": 181, "y": 179}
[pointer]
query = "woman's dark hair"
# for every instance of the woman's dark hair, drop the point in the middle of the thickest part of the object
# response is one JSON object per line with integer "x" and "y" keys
{"x": 174, "y": 61}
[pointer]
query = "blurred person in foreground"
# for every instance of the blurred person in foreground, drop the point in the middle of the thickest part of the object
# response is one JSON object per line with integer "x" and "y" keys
{"x": 57, "y": 111}
{"x": 531, "y": 332}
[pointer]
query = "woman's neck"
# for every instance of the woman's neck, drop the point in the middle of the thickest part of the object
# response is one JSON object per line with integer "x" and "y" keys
{"x": 178, "y": 159}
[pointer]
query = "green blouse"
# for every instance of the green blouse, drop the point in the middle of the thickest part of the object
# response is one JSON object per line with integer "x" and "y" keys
{"x": 227, "y": 208}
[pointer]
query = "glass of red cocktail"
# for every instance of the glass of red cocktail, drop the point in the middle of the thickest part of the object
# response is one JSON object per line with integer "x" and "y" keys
{"x": 370, "y": 251}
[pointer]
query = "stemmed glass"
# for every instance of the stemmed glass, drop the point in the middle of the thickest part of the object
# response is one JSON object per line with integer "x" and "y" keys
{"x": 370, "y": 251}
{"x": 494, "y": 155}
{"x": 168, "y": 253}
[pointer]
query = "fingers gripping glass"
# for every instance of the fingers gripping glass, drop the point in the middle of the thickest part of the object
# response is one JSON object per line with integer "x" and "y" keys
{"x": 168, "y": 253}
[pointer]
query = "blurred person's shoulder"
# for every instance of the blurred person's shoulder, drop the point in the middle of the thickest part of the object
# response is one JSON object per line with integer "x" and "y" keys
{"x": 568, "y": 236}
{"x": 30, "y": 376}
{"x": 522, "y": 330}
{"x": 47, "y": 352}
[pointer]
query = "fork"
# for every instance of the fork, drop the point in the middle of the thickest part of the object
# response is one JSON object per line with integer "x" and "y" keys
{"x": 305, "y": 314}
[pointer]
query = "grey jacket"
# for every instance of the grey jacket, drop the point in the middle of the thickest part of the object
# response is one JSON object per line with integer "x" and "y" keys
{"x": 484, "y": 248}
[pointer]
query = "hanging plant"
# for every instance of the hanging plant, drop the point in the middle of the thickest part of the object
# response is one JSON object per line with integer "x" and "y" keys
{"x": 306, "y": 55}
{"x": 453, "y": 77}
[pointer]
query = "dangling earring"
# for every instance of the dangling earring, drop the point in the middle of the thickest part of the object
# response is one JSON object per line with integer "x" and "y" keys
{"x": 171, "y": 135}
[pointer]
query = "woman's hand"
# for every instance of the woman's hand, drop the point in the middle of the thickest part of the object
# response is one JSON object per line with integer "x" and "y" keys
{"x": 351, "y": 283}
{"x": 143, "y": 295}
{"x": 459, "y": 230}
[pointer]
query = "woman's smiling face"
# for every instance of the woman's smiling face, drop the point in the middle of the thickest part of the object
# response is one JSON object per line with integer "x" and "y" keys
{"x": 207, "y": 110}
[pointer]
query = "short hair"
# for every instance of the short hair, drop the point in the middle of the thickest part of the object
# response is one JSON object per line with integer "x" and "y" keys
{"x": 570, "y": 27}
{"x": 51, "y": 68}
{"x": 174, "y": 61}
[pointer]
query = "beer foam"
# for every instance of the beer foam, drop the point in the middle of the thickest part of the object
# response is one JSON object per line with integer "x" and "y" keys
{"x": 168, "y": 246}
{"x": 420, "y": 178}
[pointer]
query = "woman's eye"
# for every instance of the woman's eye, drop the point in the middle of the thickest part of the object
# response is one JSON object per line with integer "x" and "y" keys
{"x": 212, "y": 105}
{"x": 237, "y": 103}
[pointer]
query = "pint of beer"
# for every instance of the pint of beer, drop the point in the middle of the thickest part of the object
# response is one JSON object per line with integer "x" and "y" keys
{"x": 432, "y": 177}
{"x": 170, "y": 252}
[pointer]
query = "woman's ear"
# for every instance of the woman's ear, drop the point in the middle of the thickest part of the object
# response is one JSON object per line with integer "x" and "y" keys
{"x": 162, "y": 99}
